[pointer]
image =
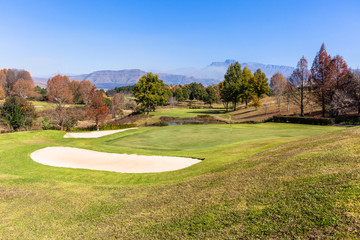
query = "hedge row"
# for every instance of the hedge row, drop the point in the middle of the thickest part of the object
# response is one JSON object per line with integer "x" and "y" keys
{"x": 303, "y": 120}
{"x": 104, "y": 127}
{"x": 347, "y": 120}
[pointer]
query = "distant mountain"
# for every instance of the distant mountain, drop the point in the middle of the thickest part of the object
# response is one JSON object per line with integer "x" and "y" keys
{"x": 109, "y": 79}
{"x": 217, "y": 70}
{"x": 39, "y": 81}
{"x": 357, "y": 72}
{"x": 211, "y": 74}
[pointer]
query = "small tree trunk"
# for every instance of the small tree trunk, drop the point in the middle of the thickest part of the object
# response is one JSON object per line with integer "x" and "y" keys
{"x": 323, "y": 105}
{"x": 97, "y": 125}
{"x": 234, "y": 106}
{"x": 113, "y": 111}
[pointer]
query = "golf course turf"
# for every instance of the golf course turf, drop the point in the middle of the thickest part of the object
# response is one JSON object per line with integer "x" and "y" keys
{"x": 256, "y": 181}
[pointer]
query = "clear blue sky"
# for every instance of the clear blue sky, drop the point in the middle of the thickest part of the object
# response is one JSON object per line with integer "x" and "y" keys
{"x": 47, "y": 37}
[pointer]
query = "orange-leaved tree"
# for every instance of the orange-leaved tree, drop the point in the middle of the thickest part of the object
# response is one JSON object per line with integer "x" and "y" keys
{"x": 97, "y": 108}
{"x": 85, "y": 90}
{"x": 58, "y": 91}
{"x": 2, "y": 93}
{"x": 23, "y": 88}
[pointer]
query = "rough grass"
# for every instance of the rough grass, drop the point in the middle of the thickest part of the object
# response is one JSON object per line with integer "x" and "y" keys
{"x": 269, "y": 181}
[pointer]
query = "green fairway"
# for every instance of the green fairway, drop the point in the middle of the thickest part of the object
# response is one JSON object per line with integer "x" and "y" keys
{"x": 185, "y": 112}
{"x": 256, "y": 180}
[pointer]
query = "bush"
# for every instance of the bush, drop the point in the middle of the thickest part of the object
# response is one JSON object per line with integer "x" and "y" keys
{"x": 303, "y": 120}
{"x": 18, "y": 112}
{"x": 347, "y": 120}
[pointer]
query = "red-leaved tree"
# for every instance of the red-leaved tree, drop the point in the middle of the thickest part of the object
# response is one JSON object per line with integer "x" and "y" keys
{"x": 97, "y": 108}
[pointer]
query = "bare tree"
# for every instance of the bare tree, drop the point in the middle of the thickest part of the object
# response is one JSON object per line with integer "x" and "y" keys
{"x": 118, "y": 103}
{"x": 297, "y": 81}
{"x": 341, "y": 103}
{"x": 172, "y": 101}
{"x": 278, "y": 84}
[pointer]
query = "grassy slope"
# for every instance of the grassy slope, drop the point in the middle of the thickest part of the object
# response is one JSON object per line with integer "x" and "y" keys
{"x": 250, "y": 186}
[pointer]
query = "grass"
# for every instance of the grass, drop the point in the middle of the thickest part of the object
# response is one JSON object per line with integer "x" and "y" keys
{"x": 42, "y": 105}
{"x": 257, "y": 181}
{"x": 184, "y": 112}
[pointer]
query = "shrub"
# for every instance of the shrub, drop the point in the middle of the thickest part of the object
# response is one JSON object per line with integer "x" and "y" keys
{"x": 17, "y": 113}
{"x": 303, "y": 120}
{"x": 347, "y": 120}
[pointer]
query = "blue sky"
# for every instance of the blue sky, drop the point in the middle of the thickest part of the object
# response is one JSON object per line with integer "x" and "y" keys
{"x": 48, "y": 37}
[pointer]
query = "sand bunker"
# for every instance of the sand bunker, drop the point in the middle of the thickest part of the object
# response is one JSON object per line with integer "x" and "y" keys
{"x": 94, "y": 134}
{"x": 87, "y": 159}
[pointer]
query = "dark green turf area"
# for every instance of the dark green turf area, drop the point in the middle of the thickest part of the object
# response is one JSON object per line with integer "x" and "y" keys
{"x": 256, "y": 181}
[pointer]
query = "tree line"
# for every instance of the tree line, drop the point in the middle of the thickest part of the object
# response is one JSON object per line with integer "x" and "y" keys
{"x": 17, "y": 86}
{"x": 330, "y": 83}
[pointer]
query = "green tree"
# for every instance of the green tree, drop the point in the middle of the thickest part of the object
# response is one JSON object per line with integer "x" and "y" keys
{"x": 150, "y": 92}
{"x": 197, "y": 91}
{"x": 261, "y": 84}
{"x": 179, "y": 94}
{"x": 230, "y": 87}
{"x": 246, "y": 91}
{"x": 225, "y": 94}
{"x": 212, "y": 97}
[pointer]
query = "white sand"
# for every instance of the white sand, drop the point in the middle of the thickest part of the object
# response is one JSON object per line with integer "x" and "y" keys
{"x": 94, "y": 134}
{"x": 87, "y": 159}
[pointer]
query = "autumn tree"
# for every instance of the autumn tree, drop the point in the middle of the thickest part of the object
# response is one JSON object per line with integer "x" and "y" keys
{"x": 321, "y": 78}
{"x": 3, "y": 80}
{"x": 278, "y": 85}
{"x": 75, "y": 89}
{"x": 9, "y": 77}
{"x": 97, "y": 108}
{"x": 85, "y": 90}
{"x": 2, "y": 93}
{"x": 58, "y": 91}
{"x": 297, "y": 81}
{"x": 150, "y": 92}
{"x": 23, "y": 89}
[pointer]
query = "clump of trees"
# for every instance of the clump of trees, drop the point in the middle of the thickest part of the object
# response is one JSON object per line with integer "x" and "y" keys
{"x": 240, "y": 85}
{"x": 330, "y": 83}
{"x": 15, "y": 82}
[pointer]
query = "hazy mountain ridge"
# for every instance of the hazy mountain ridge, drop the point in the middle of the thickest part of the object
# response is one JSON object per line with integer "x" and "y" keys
{"x": 211, "y": 74}
{"x": 111, "y": 79}
{"x": 217, "y": 70}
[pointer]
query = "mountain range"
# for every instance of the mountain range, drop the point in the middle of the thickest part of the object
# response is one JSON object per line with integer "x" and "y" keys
{"x": 211, "y": 74}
